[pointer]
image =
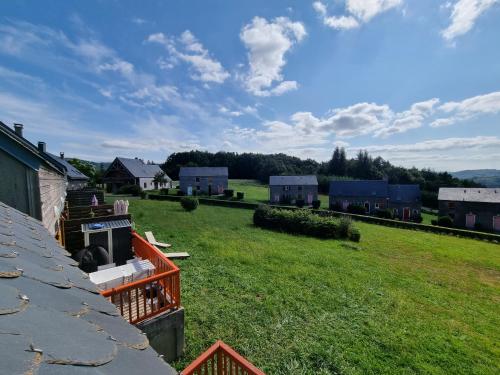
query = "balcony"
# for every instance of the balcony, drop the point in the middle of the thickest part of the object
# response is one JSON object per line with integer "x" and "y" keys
{"x": 221, "y": 359}
{"x": 146, "y": 298}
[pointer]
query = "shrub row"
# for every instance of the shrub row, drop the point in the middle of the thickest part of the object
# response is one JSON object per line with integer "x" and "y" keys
{"x": 304, "y": 222}
{"x": 130, "y": 189}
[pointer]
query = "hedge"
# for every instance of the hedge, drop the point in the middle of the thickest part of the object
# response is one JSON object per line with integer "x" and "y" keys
{"x": 303, "y": 221}
{"x": 369, "y": 219}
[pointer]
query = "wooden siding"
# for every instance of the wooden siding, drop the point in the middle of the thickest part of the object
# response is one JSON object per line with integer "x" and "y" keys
{"x": 52, "y": 194}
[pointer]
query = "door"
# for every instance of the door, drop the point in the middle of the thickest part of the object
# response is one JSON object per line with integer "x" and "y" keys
{"x": 367, "y": 207}
{"x": 406, "y": 213}
{"x": 209, "y": 189}
{"x": 276, "y": 198}
{"x": 496, "y": 223}
{"x": 345, "y": 204}
{"x": 190, "y": 190}
{"x": 470, "y": 220}
{"x": 309, "y": 198}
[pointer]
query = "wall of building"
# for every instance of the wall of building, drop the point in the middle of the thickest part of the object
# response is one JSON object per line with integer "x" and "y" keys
{"x": 458, "y": 210}
{"x": 374, "y": 202}
{"x": 52, "y": 195}
{"x": 398, "y": 209}
{"x": 20, "y": 190}
{"x": 218, "y": 183}
{"x": 278, "y": 193}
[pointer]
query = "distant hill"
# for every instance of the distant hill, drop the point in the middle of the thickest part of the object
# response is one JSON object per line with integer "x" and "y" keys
{"x": 486, "y": 177}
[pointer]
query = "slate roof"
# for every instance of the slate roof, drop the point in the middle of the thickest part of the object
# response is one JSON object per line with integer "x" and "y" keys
{"x": 485, "y": 195}
{"x": 139, "y": 169}
{"x": 404, "y": 193}
{"x": 71, "y": 172}
{"x": 359, "y": 188}
{"x": 292, "y": 180}
{"x": 203, "y": 171}
{"x": 52, "y": 318}
{"x": 23, "y": 142}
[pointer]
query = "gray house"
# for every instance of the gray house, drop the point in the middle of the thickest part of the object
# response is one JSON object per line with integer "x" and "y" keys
{"x": 76, "y": 179}
{"x": 289, "y": 189}
{"x": 125, "y": 171}
{"x": 472, "y": 208}
{"x": 31, "y": 182}
{"x": 203, "y": 180}
{"x": 403, "y": 200}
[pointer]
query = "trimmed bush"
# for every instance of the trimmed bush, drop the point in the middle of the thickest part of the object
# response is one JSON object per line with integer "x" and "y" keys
{"x": 385, "y": 214}
{"x": 445, "y": 221}
{"x": 229, "y": 193}
{"x": 434, "y": 222}
{"x": 240, "y": 195}
{"x": 300, "y": 203}
{"x": 336, "y": 207}
{"x": 418, "y": 219}
{"x": 355, "y": 235}
{"x": 303, "y": 222}
{"x": 189, "y": 203}
{"x": 356, "y": 209}
{"x": 143, "y": 194}
{"x": 316, "y": 204}
{"x": 164, "y": 191}
{"x": 130, "y": 189}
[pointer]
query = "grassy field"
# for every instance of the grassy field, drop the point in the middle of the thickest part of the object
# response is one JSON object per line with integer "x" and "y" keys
{"x": 256, "y": 192}
{"x": 400, "y": 302}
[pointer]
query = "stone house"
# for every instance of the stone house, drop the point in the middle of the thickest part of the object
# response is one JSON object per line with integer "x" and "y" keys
{"x": 471, "y": 208}
{"x": 203, "y": 180}
{"x": 125, "y": 171}
{"x": 403, "y": 200}
{"x": 289, "y": 189}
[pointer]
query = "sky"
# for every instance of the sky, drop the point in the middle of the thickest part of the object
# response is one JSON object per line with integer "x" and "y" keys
{"x": 416, "y": 82}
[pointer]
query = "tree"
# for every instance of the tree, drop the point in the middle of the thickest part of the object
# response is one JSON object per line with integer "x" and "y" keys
{"x": 86, "y": 167}
{"x": 160, "y": 179}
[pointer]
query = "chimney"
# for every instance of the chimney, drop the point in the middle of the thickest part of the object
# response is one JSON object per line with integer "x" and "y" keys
{"x": 61, "y": 154}
{"x": 18, "y": 128}
{"x": 41, "y": 147}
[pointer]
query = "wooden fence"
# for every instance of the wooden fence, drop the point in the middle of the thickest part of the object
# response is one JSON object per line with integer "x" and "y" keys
{"x": 83, "y": 197}
{"x": 146, "y": 298}
{"x": 221, "y": 359}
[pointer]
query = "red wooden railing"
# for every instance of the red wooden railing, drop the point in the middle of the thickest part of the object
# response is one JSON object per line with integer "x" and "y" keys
{"x": 221, "y": 359}
{"x": 143, "y": 299}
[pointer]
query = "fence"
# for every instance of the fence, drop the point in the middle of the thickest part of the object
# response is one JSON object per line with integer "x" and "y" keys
{"x": 221, "y": 359}
{"x": 143, "y": 299}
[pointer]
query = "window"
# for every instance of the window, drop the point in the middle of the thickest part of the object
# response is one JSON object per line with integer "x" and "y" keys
{"x": 145, "y": 185}
{"x": 197, "y": 179}
{"x": 287, "y": 188}
{"x": 451, "y": 205}
{"x": 198, "y": 187}
{"x": 300, "y": 188}
{"x": 415, "y": 212}
{"x": 377, "y": 206}
{"x": 395, "y": 212}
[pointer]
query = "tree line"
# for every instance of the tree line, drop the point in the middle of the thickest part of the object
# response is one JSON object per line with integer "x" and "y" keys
{"x": 362, "y": 166}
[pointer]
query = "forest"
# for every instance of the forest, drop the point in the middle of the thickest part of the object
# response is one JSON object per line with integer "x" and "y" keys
{"x": 363, "y": 167}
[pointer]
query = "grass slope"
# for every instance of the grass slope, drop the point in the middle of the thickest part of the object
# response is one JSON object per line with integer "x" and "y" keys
{"x": 400, "y": 301}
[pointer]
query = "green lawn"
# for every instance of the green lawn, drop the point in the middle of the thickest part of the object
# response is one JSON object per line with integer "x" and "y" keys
{"x": 257, "y": 192}
{"x": 400, "y": 301}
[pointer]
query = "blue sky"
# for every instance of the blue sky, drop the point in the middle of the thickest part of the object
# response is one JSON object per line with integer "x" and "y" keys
{"x": 417, "y": 82}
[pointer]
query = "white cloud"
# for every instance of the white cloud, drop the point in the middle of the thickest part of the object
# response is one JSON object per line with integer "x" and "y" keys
{"x": 468, "y": 108}
{"x": 463, "y": 16}
{"x": 267, "y": 43}
{"x": 204, "y": 67}
{"x": 357, "y": 12}
{"x": 226, "y": 111}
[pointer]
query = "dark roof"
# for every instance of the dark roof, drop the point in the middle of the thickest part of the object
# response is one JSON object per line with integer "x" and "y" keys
{"x": 138, "y": 169}
{"x": 203, "y": 171}
{"x": 485, "y": 195}
{"x": 293, "y": 180}
{"x": 71, "y": 171}
{"x": 404, "y": 193}
{"x": 52, "y": 318}
{"x": 359, "y": 188}
{"x": 28, "y": 146}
